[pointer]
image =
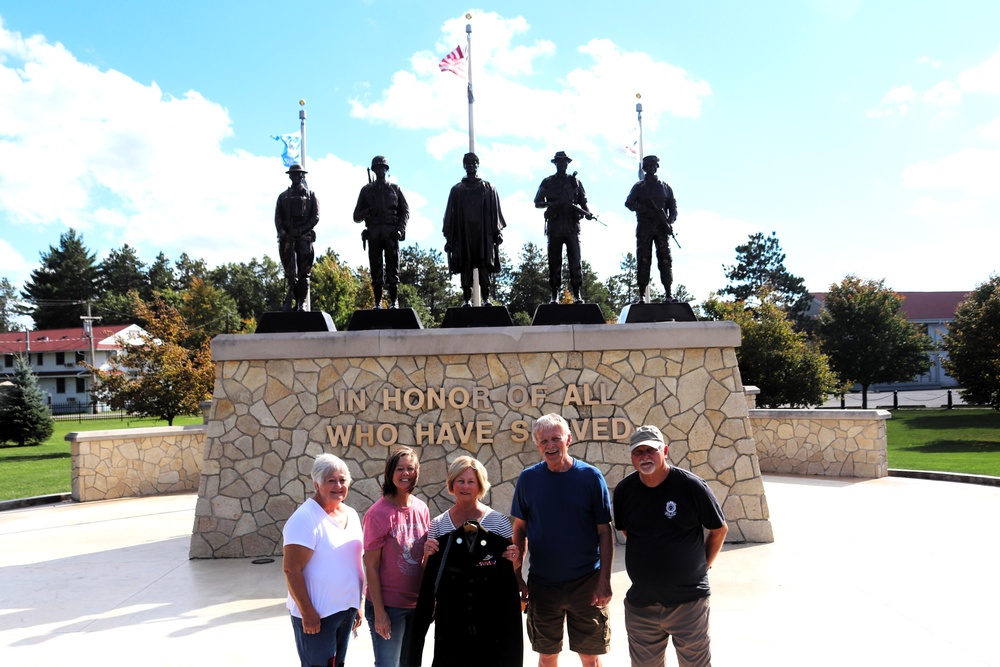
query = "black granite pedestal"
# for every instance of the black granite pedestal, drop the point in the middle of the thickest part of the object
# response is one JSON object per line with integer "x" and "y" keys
{"x": 477, "y": 316}
{"x": 296, "y": 321}
{"x": 567, "y": 313}
{"x": 670, "y": 311}
{"x": 384, "y": 318}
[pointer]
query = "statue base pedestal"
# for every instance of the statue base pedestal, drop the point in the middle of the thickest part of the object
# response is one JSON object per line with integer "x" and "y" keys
{"x": 481, "y": 316}
{"x": 384, "y": 318}
{"x": 295, "y": 321}
{"x": 567, "y": 313}
{"x": 670, "y": 311}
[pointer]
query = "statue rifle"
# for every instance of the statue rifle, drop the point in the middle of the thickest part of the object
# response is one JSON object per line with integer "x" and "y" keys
{"x": 670, "y": 228}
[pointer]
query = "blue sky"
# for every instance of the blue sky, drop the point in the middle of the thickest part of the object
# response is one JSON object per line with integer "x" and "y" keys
{"x": 866, "y": 134}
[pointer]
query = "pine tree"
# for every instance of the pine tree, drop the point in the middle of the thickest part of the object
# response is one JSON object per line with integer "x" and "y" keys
{"x": 761, "y": 265}
{"x": 65, "y": 281}
{"x": 24, "y": 417}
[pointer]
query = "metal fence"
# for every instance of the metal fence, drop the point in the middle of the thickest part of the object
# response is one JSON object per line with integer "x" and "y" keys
{"x": 87, "y": 412}
{"x": 921, "y": 398}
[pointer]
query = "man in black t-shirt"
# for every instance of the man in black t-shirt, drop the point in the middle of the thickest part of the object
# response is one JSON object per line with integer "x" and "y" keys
{"x": 664, "y": 512}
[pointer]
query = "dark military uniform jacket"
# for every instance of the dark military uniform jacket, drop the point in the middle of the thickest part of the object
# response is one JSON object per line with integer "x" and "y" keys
{"x": 477, "y": 605}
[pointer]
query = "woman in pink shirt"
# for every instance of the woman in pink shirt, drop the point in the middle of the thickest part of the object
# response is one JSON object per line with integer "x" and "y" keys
{"x": 395, "y": 529}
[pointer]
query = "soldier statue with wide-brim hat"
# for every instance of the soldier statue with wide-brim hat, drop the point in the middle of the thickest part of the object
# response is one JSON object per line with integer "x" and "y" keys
{"x": 565, "y": 203}
{"x": 296, "y": 215}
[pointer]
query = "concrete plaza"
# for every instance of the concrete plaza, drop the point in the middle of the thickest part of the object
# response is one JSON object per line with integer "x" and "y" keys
{"x": 862, "y": 572}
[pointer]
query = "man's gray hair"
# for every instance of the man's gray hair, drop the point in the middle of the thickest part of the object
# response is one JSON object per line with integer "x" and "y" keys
{"x": 549, "y": 421}
{"x": 325, "y": 465}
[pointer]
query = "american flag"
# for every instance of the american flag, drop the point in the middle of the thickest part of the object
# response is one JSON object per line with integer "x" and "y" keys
{"x": 454, "y": 62}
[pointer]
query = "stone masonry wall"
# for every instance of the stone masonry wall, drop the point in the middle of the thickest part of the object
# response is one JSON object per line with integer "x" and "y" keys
{"x": 839, "y": 443}
{"x": 281, "y": 399}
{"x": 135, "y": 462}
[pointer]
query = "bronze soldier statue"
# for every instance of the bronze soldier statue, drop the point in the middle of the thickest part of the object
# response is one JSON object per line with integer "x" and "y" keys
{"x": 655, "y": 212}
{"x": 473, "y": 226}
{"x": 565, "y": 203}
{"x": 295, "y": 218}
{"x": 384, "y": 209}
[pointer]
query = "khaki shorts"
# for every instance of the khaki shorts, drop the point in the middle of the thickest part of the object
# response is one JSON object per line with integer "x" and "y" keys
{"x": 550, "y": 606}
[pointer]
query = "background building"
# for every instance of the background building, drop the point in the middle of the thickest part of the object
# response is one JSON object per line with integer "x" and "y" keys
{"x": 58, "y": 356}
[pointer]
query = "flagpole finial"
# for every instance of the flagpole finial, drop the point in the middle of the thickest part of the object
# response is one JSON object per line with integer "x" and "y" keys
{"x": 468, "y": 16}
{"x": 638, "y": 96}
{"x": 302, "y": 103}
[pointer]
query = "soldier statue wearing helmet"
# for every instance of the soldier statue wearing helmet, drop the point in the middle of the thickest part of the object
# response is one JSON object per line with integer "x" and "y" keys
{"x": 383, "y": 208}
{"x": 655, "y": 211}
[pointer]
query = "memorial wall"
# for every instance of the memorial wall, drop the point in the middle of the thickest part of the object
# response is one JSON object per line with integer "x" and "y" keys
{"x": 281, "y": 399}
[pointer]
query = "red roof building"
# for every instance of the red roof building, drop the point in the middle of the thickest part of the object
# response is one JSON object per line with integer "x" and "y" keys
{"x": 58, "y": 356}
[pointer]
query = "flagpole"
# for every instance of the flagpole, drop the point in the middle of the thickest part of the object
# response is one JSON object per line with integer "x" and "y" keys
{"x": 468, "y": 51}
{"x": 638, "y": 111}
{"x": 302, "y": 133}
{"x": 477, "y": 298}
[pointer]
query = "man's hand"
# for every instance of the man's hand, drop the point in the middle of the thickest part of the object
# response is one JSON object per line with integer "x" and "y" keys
{"x": 499, "y": 238}
{"x": 602, "y": 594}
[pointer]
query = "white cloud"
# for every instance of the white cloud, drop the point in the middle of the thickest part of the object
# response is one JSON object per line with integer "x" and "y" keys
{"x": 896, "y": 102}
{"x": 991, "y": 130}
{"x": 945, "y": 94}
{"x": 927, "y": 60}
{"x": 935, "y": 209}
{"x": 975, "y": 172}
{"x": 983, "y": 78}
{"x": 584, "y": 114}
{"x": 122, "y": 162}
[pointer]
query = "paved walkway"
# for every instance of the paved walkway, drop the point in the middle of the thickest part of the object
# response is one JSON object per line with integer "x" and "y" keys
{"x": 882, "y": 572}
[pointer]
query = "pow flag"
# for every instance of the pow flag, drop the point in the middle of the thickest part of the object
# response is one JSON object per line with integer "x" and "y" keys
{"x": 292, "y": 144}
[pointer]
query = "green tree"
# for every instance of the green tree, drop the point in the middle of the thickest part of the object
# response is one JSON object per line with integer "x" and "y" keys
{"x": 208, "y": 312}
{"x": 760, "y": 264}
{"x": 65, "y": 281}
{"x": 530, "y": 282}
{"x": 155, "y": 375}
{"x": 256, "y": 287}
{"x": 973, "y": 345}
{"x": 427, "y": 272}
{"x": 334, "y": 289}
{"x": 160, "y": 277}
{"x": 121, "y": 272}
{"x": 623, "y": 287}
{"x": 24, "y": 417}
{"x": 785, "y": 365}
{"x": 186, "y": 269}
{"x": 867, "y": 338}
{"x": 8, "y": 310}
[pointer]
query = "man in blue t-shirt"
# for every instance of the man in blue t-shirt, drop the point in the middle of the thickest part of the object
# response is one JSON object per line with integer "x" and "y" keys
{"x": 562, "y": 517}
{"x": 664, "y": 513}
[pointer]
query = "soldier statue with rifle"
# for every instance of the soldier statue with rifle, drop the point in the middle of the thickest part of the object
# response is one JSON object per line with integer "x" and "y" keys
{"x": 655, "y": 211}
{"x": 385, "y": 212}
{"x": 565, "y": 203}
{"x": 295, "y": 217}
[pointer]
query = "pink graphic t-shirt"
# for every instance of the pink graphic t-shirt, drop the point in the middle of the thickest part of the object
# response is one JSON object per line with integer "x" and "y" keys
{"x": 400, "y": 532}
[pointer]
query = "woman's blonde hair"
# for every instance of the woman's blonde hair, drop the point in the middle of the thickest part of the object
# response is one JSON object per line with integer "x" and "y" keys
{"x": 463, "y": 463}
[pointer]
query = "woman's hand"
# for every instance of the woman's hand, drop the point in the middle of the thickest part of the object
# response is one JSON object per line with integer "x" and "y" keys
{"x": 512, "y": 553}
{"x": 431, "y": 547}
{"x": 383, "y": 626}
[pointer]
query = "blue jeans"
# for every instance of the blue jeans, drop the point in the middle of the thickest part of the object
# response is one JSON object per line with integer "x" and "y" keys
{"x": 390, "y": 652}
{"x": 331, "y": 642}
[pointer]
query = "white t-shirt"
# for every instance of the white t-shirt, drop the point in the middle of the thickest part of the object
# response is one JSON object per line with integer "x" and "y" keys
{"x": 334, "y": 575}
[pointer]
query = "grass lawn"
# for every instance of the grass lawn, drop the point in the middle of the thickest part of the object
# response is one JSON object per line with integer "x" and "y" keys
{"x": 45, "y": 468}
{"x": 961, "y": 440}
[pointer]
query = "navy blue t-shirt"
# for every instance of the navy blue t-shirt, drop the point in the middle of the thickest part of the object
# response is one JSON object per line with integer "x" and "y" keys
{"x": 562, "y": 510}
{"x": 665, "y": 546}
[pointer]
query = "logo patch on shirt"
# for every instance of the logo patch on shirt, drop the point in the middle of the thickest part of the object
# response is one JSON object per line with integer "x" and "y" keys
{"x": 671, "y": 509}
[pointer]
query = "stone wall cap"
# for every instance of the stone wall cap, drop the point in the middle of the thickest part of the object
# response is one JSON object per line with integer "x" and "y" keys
{"x": 133, "y": 433}
{"x": 833, "y": 415}
{"x": 498, "y": 340}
